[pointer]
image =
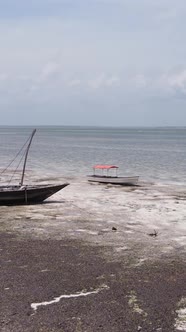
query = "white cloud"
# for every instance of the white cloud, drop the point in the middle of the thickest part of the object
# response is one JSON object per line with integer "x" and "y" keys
{"x": 49, "y": 70}
{"x": 97, "y": 82}
{"x": 112, "y": 81}
{"x": 178, "y": 80}
{"x": 103, "y": 81}
{"x": 122, "y": 48}
{"x": 46, "y": 75}
{"x": 140, "y": 81}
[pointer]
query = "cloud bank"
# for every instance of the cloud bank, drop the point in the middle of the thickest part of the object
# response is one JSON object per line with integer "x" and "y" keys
{"x": 100, "y": 62}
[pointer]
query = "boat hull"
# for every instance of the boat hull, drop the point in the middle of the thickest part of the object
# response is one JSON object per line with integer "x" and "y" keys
{"x": 14, "y": 195}
{"x": 121, "y": 180}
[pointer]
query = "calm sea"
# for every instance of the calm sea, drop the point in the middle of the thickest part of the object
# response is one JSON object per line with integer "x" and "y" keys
{"x": 155, "y": 154}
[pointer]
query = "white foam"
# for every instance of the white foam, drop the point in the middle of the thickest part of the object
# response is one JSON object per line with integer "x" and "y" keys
{"x": 180, "y": 323}
{"x": 35, "y": 306}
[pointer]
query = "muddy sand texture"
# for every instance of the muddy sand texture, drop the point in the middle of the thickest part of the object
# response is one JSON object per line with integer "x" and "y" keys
{"x": 117, "y": 297}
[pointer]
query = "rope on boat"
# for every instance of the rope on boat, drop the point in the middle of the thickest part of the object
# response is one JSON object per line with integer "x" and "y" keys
{"x": 19, "y": 152}
{"x": 16, "y": 169}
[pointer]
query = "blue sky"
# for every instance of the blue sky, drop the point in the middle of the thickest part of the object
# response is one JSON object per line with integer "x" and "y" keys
{"x": 93, "y": 62}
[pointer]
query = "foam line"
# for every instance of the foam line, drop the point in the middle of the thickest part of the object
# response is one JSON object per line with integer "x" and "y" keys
{"x": 34, "y": 306}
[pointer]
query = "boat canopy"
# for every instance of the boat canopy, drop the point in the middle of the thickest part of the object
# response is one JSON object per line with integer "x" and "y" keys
{"x": 104, "y": 166}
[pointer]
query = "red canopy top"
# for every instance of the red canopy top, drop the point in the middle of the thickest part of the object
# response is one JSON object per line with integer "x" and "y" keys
{"x": 104, "y": 166}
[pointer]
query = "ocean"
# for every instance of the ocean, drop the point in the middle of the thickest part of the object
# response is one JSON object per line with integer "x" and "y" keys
{"x": 155, "y": 154}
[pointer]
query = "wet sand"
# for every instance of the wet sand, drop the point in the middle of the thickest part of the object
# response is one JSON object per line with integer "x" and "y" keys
{"x": 95, "y": 258}
{"x": 70, "y": 285}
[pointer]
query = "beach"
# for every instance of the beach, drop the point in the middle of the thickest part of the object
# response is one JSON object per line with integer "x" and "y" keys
{"x": 107, "y": 259}
{"x": 89, "y": 87}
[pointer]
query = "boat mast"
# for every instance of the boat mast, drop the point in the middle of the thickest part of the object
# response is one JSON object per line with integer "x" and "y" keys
{"x": 26, "y": 155}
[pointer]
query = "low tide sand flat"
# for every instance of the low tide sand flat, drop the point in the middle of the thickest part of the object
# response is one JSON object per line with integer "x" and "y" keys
{"x": 91, "y": 261}
{"x": 98, "y": 258}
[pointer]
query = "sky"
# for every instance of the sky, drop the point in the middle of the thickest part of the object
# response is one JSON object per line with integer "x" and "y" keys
{"x": 93, "y": 62}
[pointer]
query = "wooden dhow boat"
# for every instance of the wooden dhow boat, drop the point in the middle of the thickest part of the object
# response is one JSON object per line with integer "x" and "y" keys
{"x": 27, "y": 194}
{"x": 107, "y": 177}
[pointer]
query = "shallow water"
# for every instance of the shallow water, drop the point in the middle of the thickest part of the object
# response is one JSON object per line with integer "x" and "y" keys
{"x": 157, "y": 154}
{"x": 88, "y": 211}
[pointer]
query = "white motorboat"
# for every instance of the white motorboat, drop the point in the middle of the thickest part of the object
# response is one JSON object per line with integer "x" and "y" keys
{"x": 107, "y": 177}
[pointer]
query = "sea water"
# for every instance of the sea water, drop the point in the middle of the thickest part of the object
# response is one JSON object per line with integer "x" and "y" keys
{"x": 154, "y": 154}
